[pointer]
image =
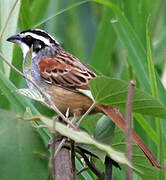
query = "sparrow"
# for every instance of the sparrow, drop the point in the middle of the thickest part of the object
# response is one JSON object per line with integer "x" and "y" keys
{"x": 62, "y": 75}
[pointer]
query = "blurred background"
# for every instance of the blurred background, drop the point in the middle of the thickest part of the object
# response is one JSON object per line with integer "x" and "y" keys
{"x": 110, "y": 36}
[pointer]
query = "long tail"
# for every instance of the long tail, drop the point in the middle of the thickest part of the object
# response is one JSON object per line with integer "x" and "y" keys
{"x": 118, "y": 119}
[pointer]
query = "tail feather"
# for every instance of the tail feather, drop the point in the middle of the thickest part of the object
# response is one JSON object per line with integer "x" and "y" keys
{"x": 118, "y": 119}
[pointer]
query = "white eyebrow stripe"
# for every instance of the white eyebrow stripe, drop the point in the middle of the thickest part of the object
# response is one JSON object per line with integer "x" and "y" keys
{"x": 47, "y": 34}
{"x": 35, "y": 36}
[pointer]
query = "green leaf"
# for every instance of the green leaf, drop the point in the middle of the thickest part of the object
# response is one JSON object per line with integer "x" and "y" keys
{"x": 89, "y": 123}
{"x": 106, "y": 36}
{"x": 135, "y": 50}
{"x": 113, "y": 92}
{"x": 25, "y": 15}
{"x": 147, "y": 128}
{"x": 83, "y": 137}
{"x": 138, "y": 158}
{"x": 153, "y": 83}
{"x": 17, "y": 62}
{"x": 159, "y": 47}
{"x": 36, "y": 7}
{"x": 84, "y": 175}
{"x": 104, "y": 131}
{"x": 22, "y": 150}
{"x": 94, "y": 150}
{"x": 152, "y": 75}
{"x": 31, "y": 93}
{"x": 27, "y": 64}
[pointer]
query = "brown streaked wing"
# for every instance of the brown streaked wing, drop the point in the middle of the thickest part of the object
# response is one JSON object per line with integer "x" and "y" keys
{"x": 66, "y": 70}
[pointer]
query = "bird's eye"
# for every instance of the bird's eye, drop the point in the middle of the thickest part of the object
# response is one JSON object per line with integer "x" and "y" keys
{"x": 28, "y": 37}
{"x": 37, "y": 46}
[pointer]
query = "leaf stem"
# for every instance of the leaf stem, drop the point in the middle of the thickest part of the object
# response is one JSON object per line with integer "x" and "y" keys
{"x": 129, "y": 128}
{"x": 85, "y": 114}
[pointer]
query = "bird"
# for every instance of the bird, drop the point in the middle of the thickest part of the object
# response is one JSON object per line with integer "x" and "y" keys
{"x": 62, "y": 76}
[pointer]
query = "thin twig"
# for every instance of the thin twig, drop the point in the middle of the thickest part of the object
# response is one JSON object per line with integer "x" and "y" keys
{"x": 40, "y": 90}
{"x": 82, "y": 170}
{"x": 92, "y": 166}
{"x": 73, "y": 159}
{"x": 41, "y": 126}
{"x": 129, "y": 127}
{"x": 32, "y": 118}
{"x": 60, "y": 146}
{"x": 85, "y": 114}
{"x": 108, "y": 168}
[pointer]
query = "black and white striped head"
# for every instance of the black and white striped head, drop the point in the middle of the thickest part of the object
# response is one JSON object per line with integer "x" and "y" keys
{"x": 37, "y": 38}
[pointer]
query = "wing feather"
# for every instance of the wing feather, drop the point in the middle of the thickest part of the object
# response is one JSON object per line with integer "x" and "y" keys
{"x": 65, "y": 70}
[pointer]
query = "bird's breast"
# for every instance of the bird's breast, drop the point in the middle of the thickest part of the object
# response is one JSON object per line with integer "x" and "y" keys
{"x": 77, "y": 102}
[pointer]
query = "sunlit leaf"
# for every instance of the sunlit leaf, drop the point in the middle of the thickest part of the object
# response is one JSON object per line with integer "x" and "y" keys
{"x": 83, "y": 137}
{"x": 27, "y": 64}
{"x": 32, "y": 94}
{"x": 87, "y": 93}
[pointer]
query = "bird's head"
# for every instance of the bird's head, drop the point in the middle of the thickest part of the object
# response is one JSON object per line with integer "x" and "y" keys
{"x": 37, "y": 38}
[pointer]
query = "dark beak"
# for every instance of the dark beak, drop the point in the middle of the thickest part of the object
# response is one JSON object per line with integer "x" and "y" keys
{"x": 15, "y": 38}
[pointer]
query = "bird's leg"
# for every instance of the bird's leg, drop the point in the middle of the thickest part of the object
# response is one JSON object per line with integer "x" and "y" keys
{"x": 74, "y": 119}
{"x": 75, "y": 116}
{"x": 85, "y": 114}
